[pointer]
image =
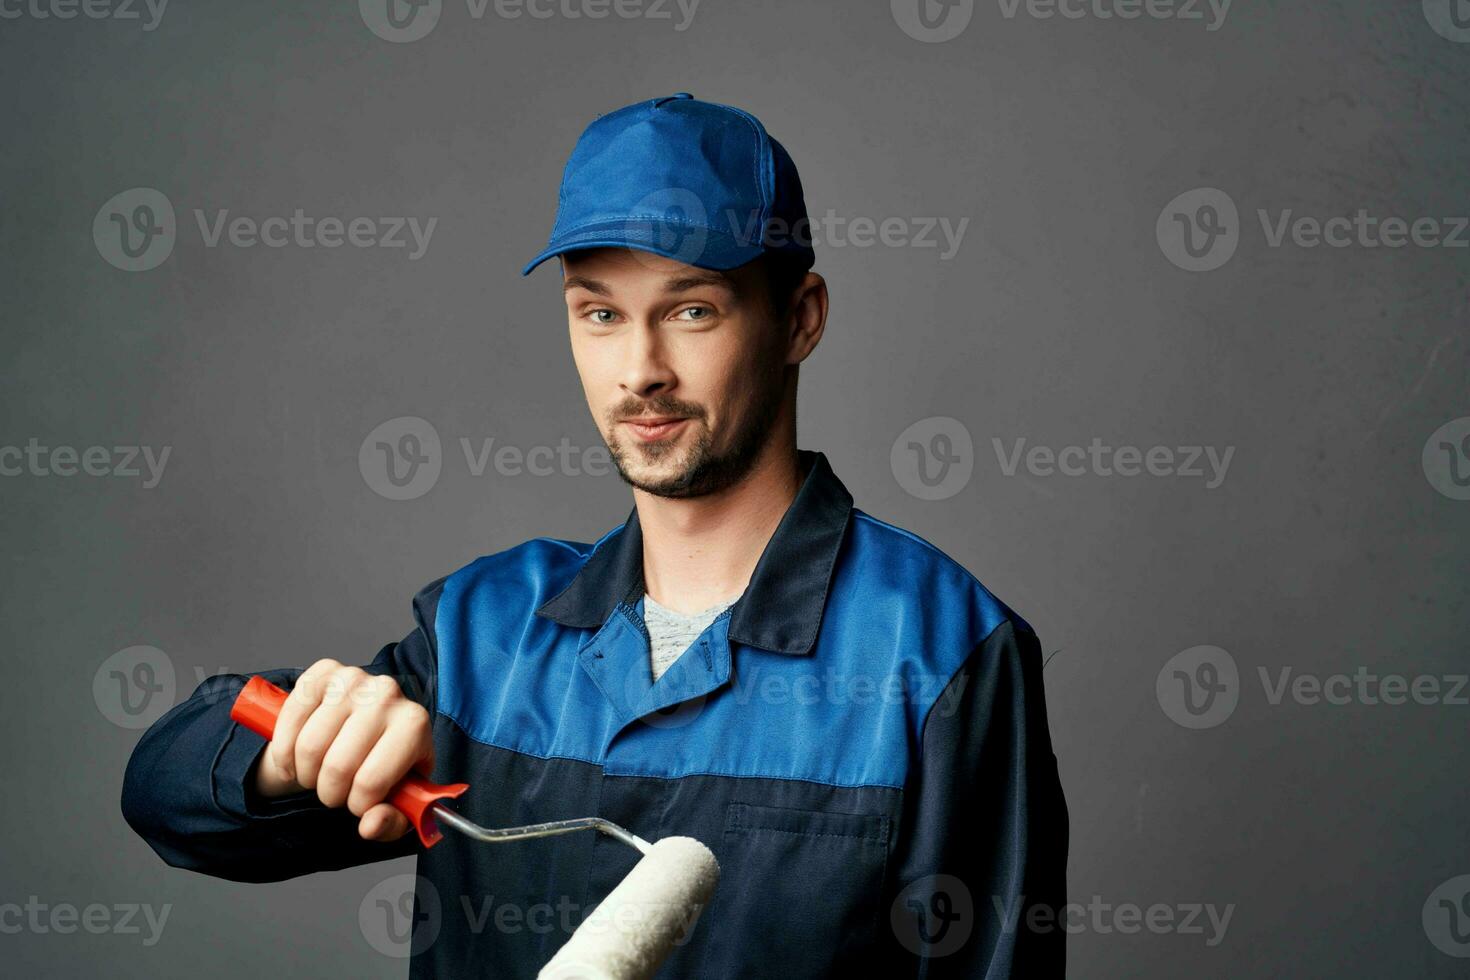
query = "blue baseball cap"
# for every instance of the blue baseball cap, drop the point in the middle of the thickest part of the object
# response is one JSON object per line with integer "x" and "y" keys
{"x": 700, "y": 183}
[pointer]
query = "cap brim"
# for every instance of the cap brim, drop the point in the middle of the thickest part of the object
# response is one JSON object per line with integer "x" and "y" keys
{"x": 702, "y": 247}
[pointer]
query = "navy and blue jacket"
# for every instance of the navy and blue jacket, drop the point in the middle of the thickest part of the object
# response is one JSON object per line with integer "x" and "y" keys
{"x": 861, "y": 739}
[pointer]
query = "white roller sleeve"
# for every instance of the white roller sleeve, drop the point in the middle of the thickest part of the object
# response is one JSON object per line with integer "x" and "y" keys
{"x": 633, "y": 930}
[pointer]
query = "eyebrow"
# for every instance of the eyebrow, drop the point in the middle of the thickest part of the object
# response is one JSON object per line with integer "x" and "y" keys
{"x": 685, "y": 283}
{"x": 680, "y": 284}
{"x": 582, "y": 282}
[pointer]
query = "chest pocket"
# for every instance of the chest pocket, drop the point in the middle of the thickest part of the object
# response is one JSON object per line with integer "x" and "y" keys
{"x": 798, "y": 895}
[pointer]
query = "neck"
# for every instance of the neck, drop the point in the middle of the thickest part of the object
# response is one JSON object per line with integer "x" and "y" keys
{"x": 699, "y": 551}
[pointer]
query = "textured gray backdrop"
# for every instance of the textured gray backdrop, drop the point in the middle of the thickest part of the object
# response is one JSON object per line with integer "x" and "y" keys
{"x": 1071, "y": 310}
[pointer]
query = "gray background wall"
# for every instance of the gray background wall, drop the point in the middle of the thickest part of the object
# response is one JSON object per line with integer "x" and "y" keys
{"x": 1336, "y": 542}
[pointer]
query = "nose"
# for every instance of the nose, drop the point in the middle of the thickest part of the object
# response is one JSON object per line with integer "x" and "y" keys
{"x": 647, "y": 370}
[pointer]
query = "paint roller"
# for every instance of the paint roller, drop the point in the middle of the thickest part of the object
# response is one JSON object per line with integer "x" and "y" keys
{"x": 627, "y": 936}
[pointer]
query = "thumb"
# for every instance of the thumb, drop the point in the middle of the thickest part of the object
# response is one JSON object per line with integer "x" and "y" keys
{"x": 383, "y": 822}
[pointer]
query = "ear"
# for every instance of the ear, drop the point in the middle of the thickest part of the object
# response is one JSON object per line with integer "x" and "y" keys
{"x": 808, "y": 318}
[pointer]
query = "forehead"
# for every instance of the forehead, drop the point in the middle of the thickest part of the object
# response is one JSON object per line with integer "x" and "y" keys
{"x": 606, "y": 271}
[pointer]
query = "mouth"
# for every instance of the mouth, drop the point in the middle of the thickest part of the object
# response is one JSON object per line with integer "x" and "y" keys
{"x": 654, "y": 429}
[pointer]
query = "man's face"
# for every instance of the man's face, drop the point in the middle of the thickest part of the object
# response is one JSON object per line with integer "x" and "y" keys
{"x": 683, "y": 368}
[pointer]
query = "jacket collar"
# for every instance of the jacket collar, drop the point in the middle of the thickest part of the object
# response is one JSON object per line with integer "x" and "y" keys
{"x": 780, "y": 609}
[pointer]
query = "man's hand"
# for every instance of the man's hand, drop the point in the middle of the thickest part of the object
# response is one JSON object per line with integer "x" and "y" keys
{"x": 351, "y": 736}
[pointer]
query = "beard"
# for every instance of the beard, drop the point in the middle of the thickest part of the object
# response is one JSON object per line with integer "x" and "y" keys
{"x": 703, "y": 470}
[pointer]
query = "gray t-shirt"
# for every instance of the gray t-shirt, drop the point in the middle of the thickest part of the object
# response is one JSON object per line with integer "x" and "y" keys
{"x": 672, "y": 632}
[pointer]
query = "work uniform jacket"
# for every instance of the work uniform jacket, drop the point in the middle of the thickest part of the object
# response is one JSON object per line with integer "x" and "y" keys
{"x": 861, "y": 739}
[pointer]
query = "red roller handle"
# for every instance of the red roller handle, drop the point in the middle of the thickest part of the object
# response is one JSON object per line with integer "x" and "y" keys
{"x": 258, "y": 706}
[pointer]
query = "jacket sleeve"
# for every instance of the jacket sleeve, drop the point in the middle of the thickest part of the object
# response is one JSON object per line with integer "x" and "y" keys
{"x": 981, "y": 856}
{"x": 188, "y": 790}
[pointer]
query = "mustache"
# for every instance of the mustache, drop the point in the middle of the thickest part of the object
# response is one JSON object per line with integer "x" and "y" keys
{"x": 655, "y": 407}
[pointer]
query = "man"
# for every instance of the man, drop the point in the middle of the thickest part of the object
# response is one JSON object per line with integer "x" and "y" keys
{"x": 843, "y": 714}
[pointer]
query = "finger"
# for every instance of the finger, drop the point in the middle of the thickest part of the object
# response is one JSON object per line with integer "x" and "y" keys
{"x": 305, "y": 695}
{"x": 382, "y": 822}
{"x": 352, "y": 744}
{"x": 317, "y": 735}
{"x": 405, "y": 744}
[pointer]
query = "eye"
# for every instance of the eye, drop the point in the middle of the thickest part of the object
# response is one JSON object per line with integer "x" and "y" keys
{"x": 696, "y": 314}
{"x": 601, "y": 317}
